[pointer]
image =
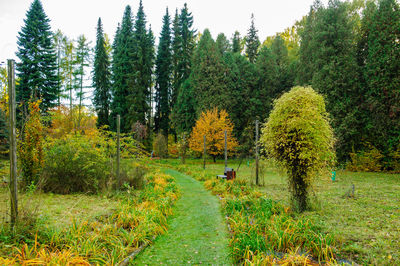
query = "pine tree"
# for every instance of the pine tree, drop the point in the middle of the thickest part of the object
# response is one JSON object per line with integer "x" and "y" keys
{"x": 252, "y": 42}
{"x": 37, "y": 70}
{"x": 141, "y": 78}
{"x": 101, "y": 78}
{"x": 163, "y": 78}
{"x": 236, "y": 43}
{"x": 122, "y": 70}
{"x": 82, "y": 61}
{"x": 58, "y": 45}
{"x": 68, "y": 69}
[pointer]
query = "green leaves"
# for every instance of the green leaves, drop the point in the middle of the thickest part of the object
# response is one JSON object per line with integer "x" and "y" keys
{"x": 299, "y": 136}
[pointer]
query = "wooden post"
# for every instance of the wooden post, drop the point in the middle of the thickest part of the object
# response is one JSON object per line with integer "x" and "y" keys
{"x": 13, "y": 143}
{"x": 183, "y": 159}
{"x": 257, "y": 182}
{"x": 204, "y": 154}
{"x": 226, "y": 151}
{"x": 118, "y": 149}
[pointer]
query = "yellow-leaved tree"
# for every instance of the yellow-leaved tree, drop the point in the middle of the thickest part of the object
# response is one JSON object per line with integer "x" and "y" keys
{"x": 212, "y": 124}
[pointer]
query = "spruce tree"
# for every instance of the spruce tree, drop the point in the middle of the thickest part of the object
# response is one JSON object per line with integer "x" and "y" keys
{"x": 101, "y": 78}
{"x": 37, "y": 69}
{"x": 236, "y": 43}
{"x": 141, "y": 77}
{"x": 252, "y": 42}
{"x": 122, "y": 69}
{"x": 163, "y": 78}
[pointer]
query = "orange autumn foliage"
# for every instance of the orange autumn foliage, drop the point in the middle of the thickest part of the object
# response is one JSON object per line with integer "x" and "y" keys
{"x": 212, "y": 124}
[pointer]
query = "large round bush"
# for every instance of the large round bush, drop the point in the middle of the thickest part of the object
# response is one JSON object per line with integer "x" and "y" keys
{"x": 298, "y": 135}
{"x": 75, "y": 163}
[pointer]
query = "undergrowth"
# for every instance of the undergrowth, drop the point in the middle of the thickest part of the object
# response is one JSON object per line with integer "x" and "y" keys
{"x": 140, "y": 216}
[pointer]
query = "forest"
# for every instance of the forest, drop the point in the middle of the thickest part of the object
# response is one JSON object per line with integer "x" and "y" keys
{"x": 115, "y": 140}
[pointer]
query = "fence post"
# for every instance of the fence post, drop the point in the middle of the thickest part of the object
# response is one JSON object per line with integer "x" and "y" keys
{"x": 257, "y": 181}
{"x": 204, "y": 154}
{"x": 118, "y": 149}
{"x": 226, "y": 151}
{"x": 13, "y": 142}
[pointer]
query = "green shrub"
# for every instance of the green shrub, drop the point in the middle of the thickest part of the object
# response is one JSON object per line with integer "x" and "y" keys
{"x": 299, "y": 137}
{"x": 160, "y": 146}
{"x": 368, "y": 160}
{"x": 76, "y": 163}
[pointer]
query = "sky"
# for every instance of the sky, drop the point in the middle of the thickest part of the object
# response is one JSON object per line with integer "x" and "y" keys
{"x": 76, "y": 17}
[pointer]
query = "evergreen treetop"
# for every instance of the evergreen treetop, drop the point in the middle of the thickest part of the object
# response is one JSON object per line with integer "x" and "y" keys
{"x": 252, "y": 42}
{"x": 37, "y": 70}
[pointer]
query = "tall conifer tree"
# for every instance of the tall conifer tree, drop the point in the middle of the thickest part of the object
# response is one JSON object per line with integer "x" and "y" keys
{"x": 335, "y": 73}
{"x": 122, "y": 69}
{"x": 163, "y": 77}
{"x": 101, "y": 78}
{"x": 82, "y": 61}
{"x": 252, "y": 42}
{"x": 141, "y": 78}
{"x": 188, "y": 43}
{"x": 208, "y": 76}
{"x": 236, "y": 43}
{"x": 37, "y": 70}
{"x": 176, "y": 48}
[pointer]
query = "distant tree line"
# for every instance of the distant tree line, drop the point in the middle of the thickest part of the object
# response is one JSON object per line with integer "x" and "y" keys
{"x": 347, "y": 51}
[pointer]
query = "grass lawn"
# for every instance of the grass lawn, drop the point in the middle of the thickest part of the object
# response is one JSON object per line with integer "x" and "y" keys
{"x": 367, "y": 227}
{"x": 57, "y": 210}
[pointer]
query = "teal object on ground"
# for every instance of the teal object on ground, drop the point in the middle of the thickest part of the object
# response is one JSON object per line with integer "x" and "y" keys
{"x": 333, "y": 176}
{"x": 248, "y": 163}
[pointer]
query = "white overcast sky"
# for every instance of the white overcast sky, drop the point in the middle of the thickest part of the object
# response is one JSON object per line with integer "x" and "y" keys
{"x": 75, "y": 17}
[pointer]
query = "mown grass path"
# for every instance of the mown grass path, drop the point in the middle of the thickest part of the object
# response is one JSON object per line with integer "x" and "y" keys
{"x": 197, "y": 233}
